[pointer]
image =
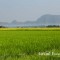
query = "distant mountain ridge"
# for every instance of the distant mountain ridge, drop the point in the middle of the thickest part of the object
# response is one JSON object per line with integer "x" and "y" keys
{"x": 47, "y": 19}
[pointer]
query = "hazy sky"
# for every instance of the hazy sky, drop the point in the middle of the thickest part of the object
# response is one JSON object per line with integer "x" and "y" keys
{"x": 27, "y": 10}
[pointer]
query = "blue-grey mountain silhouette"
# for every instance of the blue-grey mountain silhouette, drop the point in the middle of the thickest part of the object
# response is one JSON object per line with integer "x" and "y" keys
{"x": 49, "y": 20}
{"x": 43, "y": 20}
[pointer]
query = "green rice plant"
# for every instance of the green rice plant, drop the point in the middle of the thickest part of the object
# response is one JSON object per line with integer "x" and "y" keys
{"x": 26, "y": 44}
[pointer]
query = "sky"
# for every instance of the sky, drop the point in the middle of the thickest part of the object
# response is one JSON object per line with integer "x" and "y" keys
{"x": 27, "y": 10}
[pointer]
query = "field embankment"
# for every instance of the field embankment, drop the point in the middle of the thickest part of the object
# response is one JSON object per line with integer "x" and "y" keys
{"x": 31, "y": 29}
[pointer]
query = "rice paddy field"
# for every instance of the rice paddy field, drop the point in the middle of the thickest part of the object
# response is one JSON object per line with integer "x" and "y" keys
{"x": 30, "y": 44}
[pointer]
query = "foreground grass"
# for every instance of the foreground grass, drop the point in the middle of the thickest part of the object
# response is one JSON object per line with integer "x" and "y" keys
{"x": 33, "y": 57}
{"x": 25, "y": 45}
